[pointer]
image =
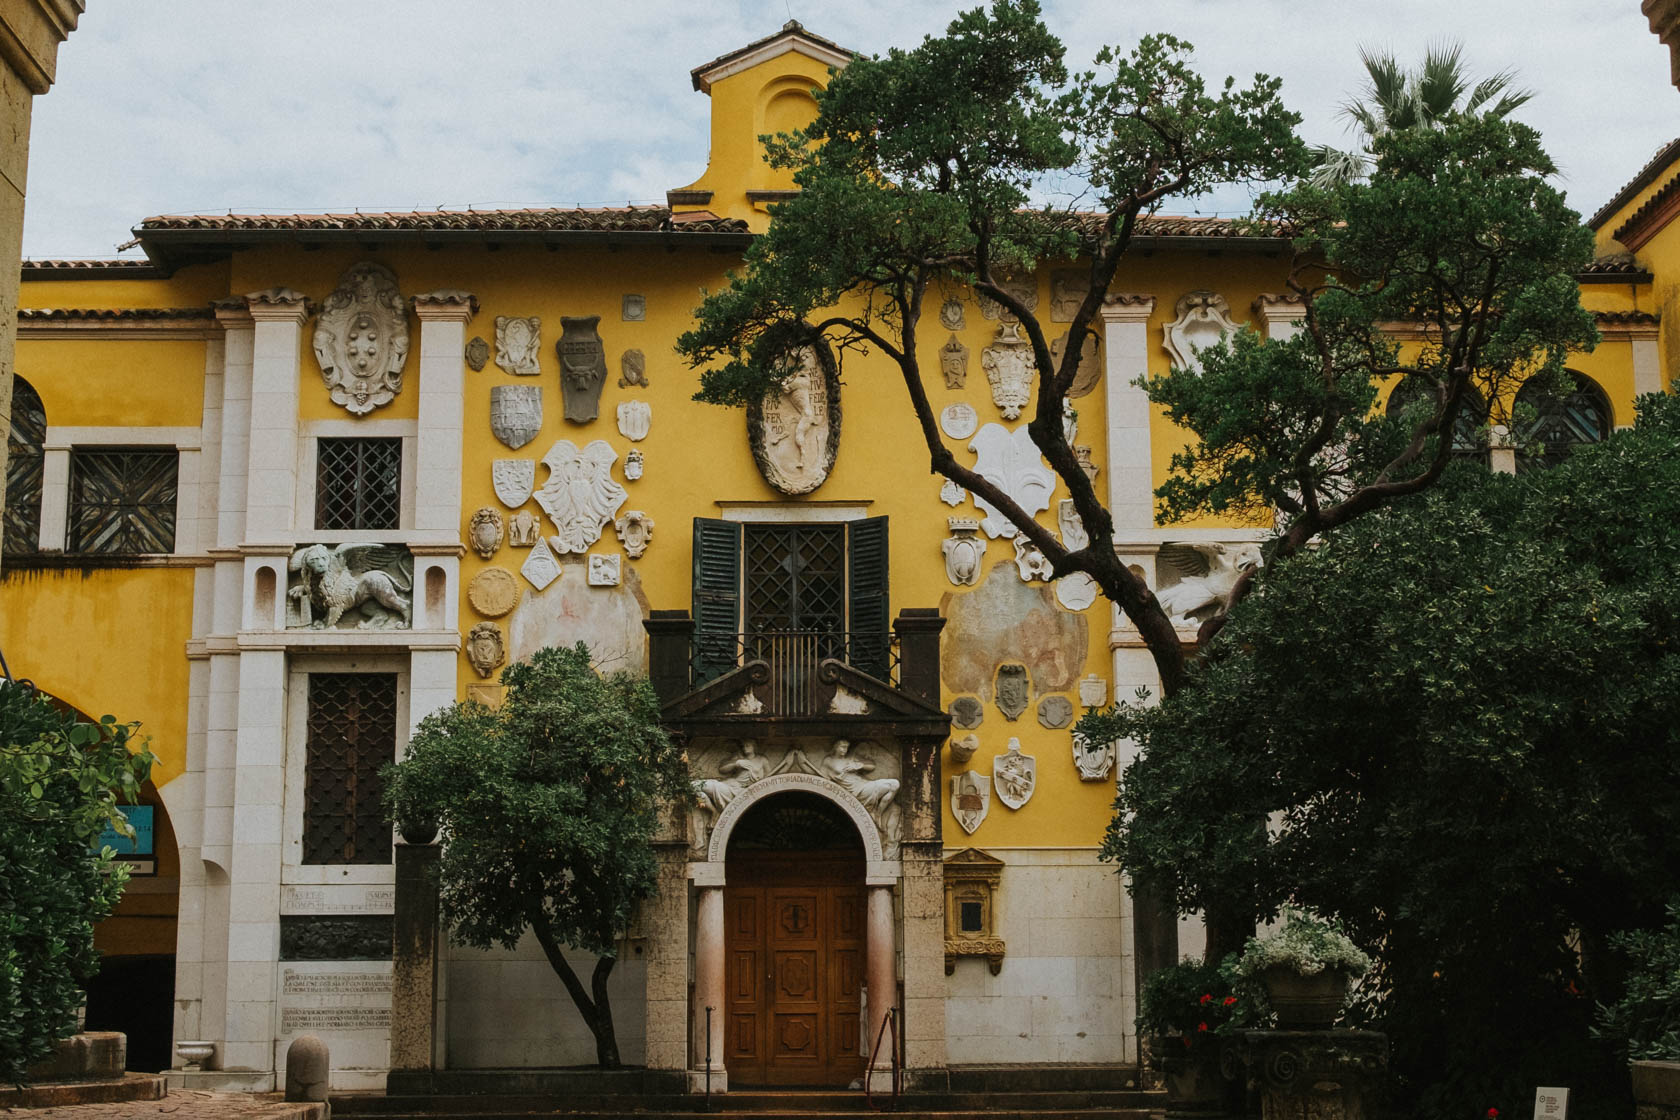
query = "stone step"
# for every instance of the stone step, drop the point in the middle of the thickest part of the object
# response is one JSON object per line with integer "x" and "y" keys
{"x": 123, "y": 1088}
{"x": 904, "y": 1108}
{"x": 761, "y": 1105}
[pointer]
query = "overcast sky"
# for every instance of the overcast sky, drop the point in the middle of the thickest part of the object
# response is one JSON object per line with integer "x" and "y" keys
{"x": 176, "y": 106}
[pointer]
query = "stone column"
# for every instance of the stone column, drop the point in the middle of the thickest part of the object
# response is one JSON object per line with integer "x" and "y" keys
{"x": 708, "y": 990}
{"x": 665, "y": 918}
{"x": 271, "y": 478}
{"x": 437, "y": 477}
{"x": 882, "y": 974}
{"x": 1131, "y": 483}
{"x": 415, "y": 1030}
{"x": 30, "y": 32}
{"x": 923, "y": 902}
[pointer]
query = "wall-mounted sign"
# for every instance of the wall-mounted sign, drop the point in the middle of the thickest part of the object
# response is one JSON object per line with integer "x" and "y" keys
{"x": 136, "y": 850}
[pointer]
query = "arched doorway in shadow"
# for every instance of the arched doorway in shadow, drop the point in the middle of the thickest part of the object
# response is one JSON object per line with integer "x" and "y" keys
{"x": 795, "y": 937}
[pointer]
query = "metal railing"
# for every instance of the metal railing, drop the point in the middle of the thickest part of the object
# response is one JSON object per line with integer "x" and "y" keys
{"x": 794, "y": 658}
{"x": 709, "y": 1010}
{"x": 889, "y": 1027}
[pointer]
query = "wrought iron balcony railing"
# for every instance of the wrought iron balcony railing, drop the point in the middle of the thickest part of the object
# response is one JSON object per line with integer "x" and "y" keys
{"x": 794, "y": 658}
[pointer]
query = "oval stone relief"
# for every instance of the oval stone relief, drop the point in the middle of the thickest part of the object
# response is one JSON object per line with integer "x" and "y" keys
{"x": 795, "y": 430}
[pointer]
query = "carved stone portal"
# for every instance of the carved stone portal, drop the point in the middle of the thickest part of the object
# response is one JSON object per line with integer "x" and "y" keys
{"x": 580, "y": 496}
{"x": 795, "y": 431}
{"x": 524, "y": 529}
{"x": 478, "y": 352}
{"x": 953, "y": 362}
{"x": 1010, "y": 461}
{"x": 513, "y": 480}
{"x": 485, "y": 532}
{"x": 1013, "y": 691}
{"x": 971, "y": 797}
{"x": 361, "y": 339}
{"x": 350, "y": 586}
{"x": 634, "y": 419}
{"x": 485, "y": 649}
{"x": 972, "y": 878}
{"x": 516, "y": 414}
{"x": 1009, "y": 367}
{"x": 518, "y": 344}
{"x": 1015, "y": 775}
{"x": 1095, "y": 761}
{"x": 1203, "y": 319}
{"x": 583, "y": 366}
{"x": 635, "y": 530}
{"x": 964, "y": 552}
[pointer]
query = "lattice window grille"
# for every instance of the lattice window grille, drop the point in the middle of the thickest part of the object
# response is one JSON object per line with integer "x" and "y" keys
{"x": 122, "y": 500}
{"x": 358, "y": 483}
{"x": 1564, "y": 422}
{"x": 351, "y": 733}
{"x": 25, "y": 456}
{"x": 795, "y": 578}
{"x": 1467, "y": 424}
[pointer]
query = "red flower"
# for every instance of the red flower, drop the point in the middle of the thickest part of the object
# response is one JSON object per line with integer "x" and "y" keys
{"x": 1493, "y": 1114}
{"x": 1187, "y": 1042}
{"x": 1229, "y": 1000}
{"x": 1201, "y": 1027}
{"x": 1206, "y": 997}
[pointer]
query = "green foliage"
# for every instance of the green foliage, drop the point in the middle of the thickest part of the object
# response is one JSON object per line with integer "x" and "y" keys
{"x": 1644, "y": 1024}
{"x": 1306, "y": 945}
{"x": 1461, "y": 714}
{"x": 1456, "y": 230}
{"x": 548, "y": 807}
{"x": 1199, "y": 1000}
{"x": 60, "y": 784}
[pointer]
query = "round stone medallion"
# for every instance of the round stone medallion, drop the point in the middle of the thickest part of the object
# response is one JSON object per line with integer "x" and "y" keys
{"x": 959, "y": 420}
{"x": 493, "y": 592}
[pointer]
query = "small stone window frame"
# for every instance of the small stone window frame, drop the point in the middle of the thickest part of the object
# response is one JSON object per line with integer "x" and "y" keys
{"x": 971, "y": 889}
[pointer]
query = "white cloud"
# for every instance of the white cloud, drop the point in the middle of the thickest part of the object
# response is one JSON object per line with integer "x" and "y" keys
{"x": 207, "y": 105}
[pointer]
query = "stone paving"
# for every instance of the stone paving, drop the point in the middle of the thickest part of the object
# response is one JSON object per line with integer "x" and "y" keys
{"x": 182, "y": 1104}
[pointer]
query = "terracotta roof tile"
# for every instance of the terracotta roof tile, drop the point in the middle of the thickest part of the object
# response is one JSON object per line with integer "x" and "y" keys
{"x": 110, "y": 314}
{"x": 1614, "y": 267}
{"x": 604, "y": 219}
{"x": 1647, "y": 175}
{"x": 791, "y": 28}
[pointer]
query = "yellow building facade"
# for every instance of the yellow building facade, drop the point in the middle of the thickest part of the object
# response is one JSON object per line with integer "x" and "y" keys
{"x": 294, "y": 481}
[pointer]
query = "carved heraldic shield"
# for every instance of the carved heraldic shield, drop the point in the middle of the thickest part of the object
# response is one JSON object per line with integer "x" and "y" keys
{"x": 361, "y": 339}
{"x": 516, "y": 414}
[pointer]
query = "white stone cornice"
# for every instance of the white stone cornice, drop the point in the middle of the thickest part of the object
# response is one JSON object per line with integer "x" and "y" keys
{"x": 279, "y": 305}
{"x": 446, "y": 305}
{"x": 1125, "y": 307}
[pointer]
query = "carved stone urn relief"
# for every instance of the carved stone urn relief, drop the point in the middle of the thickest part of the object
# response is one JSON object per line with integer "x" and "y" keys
{"x": 361, "y": 339}
{"x": 583, "y": 367}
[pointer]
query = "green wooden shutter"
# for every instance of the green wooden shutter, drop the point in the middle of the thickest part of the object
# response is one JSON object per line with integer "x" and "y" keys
{"x": 717, "y": 596}
{"x": 867, "y": 603}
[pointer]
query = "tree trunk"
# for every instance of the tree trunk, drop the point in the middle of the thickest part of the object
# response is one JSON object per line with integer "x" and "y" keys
{"x": 596, "y": 1012}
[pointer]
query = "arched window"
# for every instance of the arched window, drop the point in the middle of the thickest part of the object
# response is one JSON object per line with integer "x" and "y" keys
{"x": 1466, "y": 427}
{"x": 25, "y": 453}
{"x": 1562, "y": 422}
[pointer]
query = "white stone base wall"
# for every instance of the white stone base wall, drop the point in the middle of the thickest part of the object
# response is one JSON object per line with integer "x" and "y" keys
{"x": 1064, "y": 992}
{"x": 509, "y": 1010}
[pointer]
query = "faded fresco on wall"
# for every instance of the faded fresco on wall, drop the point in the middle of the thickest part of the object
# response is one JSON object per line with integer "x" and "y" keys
{"x": 1006, "y": 620}
{"x": 569, "y": 610}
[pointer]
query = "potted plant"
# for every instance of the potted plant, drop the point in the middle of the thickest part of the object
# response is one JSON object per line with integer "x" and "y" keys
{"x": 1304, "y": 968}
{"x": 1188, "y": 1011}
{"x": 1644, "y": 1023}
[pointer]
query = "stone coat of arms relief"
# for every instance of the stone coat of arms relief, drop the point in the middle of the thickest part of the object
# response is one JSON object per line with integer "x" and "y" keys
{"x": 361, "y": 339}
{"x": 580, "y": 496}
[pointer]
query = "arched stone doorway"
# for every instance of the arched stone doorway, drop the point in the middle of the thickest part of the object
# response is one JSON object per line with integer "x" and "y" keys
{"x": 795, "y": 941}
{"x": 795, "y": 944}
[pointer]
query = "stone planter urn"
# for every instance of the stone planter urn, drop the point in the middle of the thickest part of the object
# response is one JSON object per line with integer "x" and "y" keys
{"x": 418, "y": 832}
{"x": 1194, "y": 1080}
{"x": 1305, "y": 1003}
{"x": 1656, "y": 1090}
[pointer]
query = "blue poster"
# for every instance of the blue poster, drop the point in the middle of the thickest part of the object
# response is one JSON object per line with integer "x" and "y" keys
{"x": 140, "y": 819}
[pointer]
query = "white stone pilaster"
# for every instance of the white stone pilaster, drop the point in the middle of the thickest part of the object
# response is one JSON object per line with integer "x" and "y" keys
{"x": 431, "y": 685}
{"x": 1647, "y": 367}
{"x": 443, "y": 319}
{"x": 234, "y": 449}
{"x": 709, "y": 991}
{"x": 1131, "y": 484}
{"x": 55, "y": 498}
{"x": 271, "y": 481}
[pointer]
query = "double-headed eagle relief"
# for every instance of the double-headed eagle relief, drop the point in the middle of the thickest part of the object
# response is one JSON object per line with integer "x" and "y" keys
{"x": 580, "y": 496}
{"x": 361, "y": 339}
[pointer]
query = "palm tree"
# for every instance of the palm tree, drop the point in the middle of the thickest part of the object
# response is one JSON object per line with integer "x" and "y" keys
{"x": 1395, "y": 98}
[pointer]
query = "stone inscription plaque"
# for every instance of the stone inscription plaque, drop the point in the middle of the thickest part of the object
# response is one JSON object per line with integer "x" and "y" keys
{"x": 334, "y": 1020}
{"x": 337, "y": 898}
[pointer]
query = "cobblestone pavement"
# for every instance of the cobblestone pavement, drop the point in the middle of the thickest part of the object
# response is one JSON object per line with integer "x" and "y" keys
{"x": 181, "y": 1104}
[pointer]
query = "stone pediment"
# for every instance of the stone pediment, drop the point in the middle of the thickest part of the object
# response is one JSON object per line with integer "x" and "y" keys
{"x": 840, "y": 695}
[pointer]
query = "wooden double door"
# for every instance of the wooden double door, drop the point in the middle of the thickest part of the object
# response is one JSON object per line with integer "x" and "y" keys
{"x": 794, "y": 937}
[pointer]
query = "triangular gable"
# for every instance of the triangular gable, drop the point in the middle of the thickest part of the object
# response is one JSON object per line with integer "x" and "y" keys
{"x": 792, "y": 37}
